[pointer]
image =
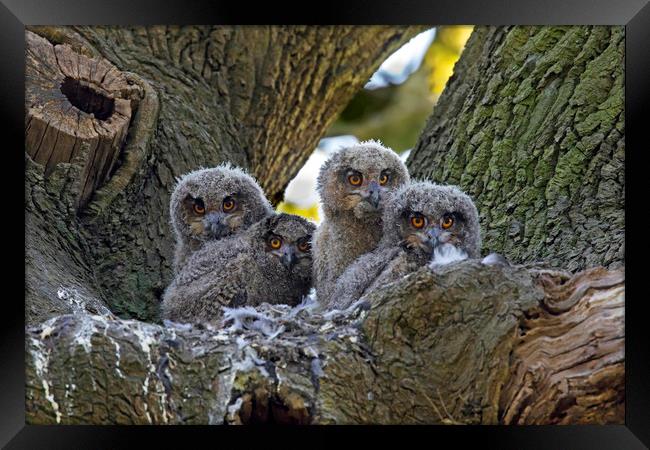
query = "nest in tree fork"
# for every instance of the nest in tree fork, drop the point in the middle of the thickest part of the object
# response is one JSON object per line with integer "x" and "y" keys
{"x": 462, "y": 343}
{"x": 78, "y": 110}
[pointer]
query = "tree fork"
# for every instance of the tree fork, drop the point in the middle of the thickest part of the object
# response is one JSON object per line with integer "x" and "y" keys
{"x": 464, "y": 343}
{"x": 258, "y": 97}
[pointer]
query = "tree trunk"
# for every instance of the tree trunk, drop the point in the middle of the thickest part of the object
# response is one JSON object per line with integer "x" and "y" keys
{"x": 74, "y": 102}
{"x": 463, "y": 343}
{"x": 260, "y": 97}
{"x": 467, "y": 344}
{"x": 531, "y": 125}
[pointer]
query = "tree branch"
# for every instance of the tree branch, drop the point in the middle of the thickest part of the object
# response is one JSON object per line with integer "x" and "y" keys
{"x": 466, "y": 343}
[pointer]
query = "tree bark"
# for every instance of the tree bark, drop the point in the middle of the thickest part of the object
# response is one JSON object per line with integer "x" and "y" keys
{"x": 531, "y": 125}
{"x": 259, "y": 97}
{"x": 464, "y": 344}
{"x": 75, "y": 102}
{"x": 460, "y": 344}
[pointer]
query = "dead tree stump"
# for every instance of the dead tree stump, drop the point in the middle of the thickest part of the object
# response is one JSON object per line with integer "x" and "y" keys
{"x": 78, "y": 111}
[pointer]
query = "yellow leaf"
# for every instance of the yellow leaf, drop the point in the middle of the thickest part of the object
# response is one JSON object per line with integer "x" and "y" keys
{"x": 310, "y": 212}
{"x": 443, "y": 53}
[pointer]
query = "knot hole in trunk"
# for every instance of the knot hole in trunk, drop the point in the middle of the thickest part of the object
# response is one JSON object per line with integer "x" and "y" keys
{"x": 88, "y": 98}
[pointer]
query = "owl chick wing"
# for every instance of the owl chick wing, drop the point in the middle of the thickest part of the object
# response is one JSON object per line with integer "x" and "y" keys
{"x": 320, "y": 267}
{"x": 400, "y": 266}
{"x": 207, "y": 283}
{"x": 357, "y": 278}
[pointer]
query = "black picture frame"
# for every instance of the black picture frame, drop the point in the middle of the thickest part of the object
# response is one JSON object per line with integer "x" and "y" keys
{"x": 634, "y": 14}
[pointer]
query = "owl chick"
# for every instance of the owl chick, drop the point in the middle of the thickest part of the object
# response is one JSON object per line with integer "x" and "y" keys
{"x": 423, "y": 223}
{"x": 269, "y": 262}
{"x": 211, "y": 204}
{"x": 354, "y": 185}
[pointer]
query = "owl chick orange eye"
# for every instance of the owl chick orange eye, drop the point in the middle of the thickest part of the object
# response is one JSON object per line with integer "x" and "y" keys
{"x": 275, "y": 243}
{"x": 304, "y": 246}
{"x": 228, "y": 204}
{"x": 447, "y": 222}
{"x": 355, "y": 179}
{"x": 199, "y": 207}
{"x": 383, "y": 179}
{"x": 417, "y": 221}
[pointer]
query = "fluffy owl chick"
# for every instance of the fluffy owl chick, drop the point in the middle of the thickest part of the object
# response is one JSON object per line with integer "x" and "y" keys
{"x": 269, "y": 262}
{"x": 354, "y": 184}
{"x": 422, "y": 221}
{"x": 211, "y": 204}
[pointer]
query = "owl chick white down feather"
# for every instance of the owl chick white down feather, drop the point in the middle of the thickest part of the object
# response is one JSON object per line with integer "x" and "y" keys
{"x": 446, "y": 254}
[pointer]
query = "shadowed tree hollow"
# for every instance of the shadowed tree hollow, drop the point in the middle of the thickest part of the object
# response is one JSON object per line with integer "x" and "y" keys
{"x": 530, "y": 125}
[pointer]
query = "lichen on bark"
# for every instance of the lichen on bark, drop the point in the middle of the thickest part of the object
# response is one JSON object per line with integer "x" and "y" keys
{"x": 463, "y": 343}
{"x": 531, "y": 125}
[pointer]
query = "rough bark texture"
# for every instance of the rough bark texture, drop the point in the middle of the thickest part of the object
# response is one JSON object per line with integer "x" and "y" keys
{"x": 531, "y": 125}
{"x": 75, "y": 102}
{"x": 569, "y": 358}
{"x": 259, "y": 97}
{"x": 467, "y": 344}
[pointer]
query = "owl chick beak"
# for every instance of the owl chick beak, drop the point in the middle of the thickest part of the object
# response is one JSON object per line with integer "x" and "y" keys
{"x": 289, "y": 258}
{"x": 373, "y": 194}
{"x": 433, "y": 237}
{"x": 214, "y": 224}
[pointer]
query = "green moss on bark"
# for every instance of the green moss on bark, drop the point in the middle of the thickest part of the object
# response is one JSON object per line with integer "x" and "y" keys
{"x": 532, "y": 126}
